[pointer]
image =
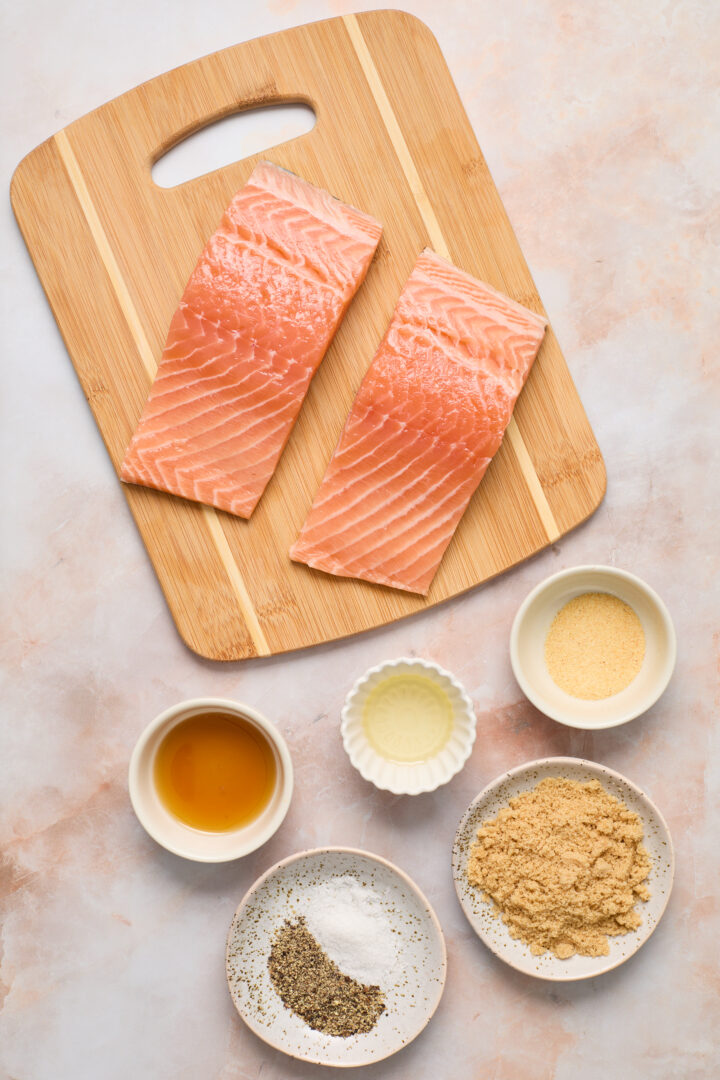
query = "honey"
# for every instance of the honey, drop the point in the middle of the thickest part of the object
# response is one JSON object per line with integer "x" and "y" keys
{"x": 215, "y": 771}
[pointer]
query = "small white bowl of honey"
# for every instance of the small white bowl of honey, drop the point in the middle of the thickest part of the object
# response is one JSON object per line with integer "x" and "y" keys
{"x": 408, "y": 726}
{"x": 210, "y": 780}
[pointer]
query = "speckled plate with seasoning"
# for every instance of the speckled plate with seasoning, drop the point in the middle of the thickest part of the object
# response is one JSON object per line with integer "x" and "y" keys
{"x": 493, "y": 931}
{"x": 411, "y": 973}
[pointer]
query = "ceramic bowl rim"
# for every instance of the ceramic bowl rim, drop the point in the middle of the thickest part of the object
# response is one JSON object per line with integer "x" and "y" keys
{"x": 546, "y": 707}
{"x": 410, "y": 884}
{"x": 560, "y": 762}
{"x": 138, "y": 758}
{"x": 358, "y": 687}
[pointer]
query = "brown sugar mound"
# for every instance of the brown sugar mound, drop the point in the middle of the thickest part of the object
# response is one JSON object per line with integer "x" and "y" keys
{"x": 564, "y": 866}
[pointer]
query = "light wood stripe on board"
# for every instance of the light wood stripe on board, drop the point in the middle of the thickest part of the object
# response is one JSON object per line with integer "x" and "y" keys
{"x": 101, "y": 242}
{"x": 439, "y": 244}
{"x": 236, "y": 580}
{"x": 512, "y": 431}
{"x": 146, "y": 355}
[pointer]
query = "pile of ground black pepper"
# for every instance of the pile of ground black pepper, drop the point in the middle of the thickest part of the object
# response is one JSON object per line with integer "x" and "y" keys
{"x": 310, "y": 984}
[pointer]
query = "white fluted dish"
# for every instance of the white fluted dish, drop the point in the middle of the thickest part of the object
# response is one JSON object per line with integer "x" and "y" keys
{"x": 416, "y": 777}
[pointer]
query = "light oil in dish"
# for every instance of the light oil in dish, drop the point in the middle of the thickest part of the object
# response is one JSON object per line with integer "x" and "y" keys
{"x": 215, "y": 772}
{"x": 407, "y": 718}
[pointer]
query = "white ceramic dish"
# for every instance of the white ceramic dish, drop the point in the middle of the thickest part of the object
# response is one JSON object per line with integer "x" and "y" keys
{"x": 494, "y": 932}
{"x": 530, "y": 628}
{"x": 172, "y": 833}
{"x": 413, "y": 982}
{"x": 413, "y": 778}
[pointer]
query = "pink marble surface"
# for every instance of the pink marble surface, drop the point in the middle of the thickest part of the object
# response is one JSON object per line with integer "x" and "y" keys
{"x": 599, "y": 122}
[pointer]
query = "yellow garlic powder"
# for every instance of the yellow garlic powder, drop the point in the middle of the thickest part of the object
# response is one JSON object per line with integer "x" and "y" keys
{"x": 595, "y": 646}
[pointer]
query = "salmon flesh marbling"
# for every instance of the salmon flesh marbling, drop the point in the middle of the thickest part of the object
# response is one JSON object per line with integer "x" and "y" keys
{"x": 424, "y": 426}
{"x": 253, "y": 324}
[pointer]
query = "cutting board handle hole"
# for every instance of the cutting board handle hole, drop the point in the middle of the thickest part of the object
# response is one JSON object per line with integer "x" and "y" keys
{"x": 226, "y": 141}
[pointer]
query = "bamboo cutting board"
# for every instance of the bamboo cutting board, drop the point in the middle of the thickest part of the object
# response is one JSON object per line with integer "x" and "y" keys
{"x": 114, "y": 252}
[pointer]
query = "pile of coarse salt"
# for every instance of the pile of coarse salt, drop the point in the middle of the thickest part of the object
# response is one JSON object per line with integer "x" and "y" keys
{"x": 350, "y": 921}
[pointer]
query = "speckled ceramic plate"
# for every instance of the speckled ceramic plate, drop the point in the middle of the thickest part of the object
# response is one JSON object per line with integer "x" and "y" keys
{"x": 494, "y": 932}
{"x": 408, "y": 962}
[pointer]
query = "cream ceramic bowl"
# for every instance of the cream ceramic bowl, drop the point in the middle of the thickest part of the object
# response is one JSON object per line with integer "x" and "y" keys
{"x": 409, "y": 967}
{"x": 530, "y": 628}
{"x": 411, "y": 778}
{"x": 173, "y": 834}
{"x": 495, "y": 934}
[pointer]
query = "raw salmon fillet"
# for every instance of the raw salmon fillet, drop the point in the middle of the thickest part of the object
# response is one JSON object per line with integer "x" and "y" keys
{"x": 253, "y": 324}
{"x": 428, "y": 418}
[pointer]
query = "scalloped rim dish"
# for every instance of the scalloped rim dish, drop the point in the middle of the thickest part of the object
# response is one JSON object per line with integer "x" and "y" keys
{"x": 410, "y": 779}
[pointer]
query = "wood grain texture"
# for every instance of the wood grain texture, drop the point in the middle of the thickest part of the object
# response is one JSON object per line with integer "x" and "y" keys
{"x": 114, "y": 252}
